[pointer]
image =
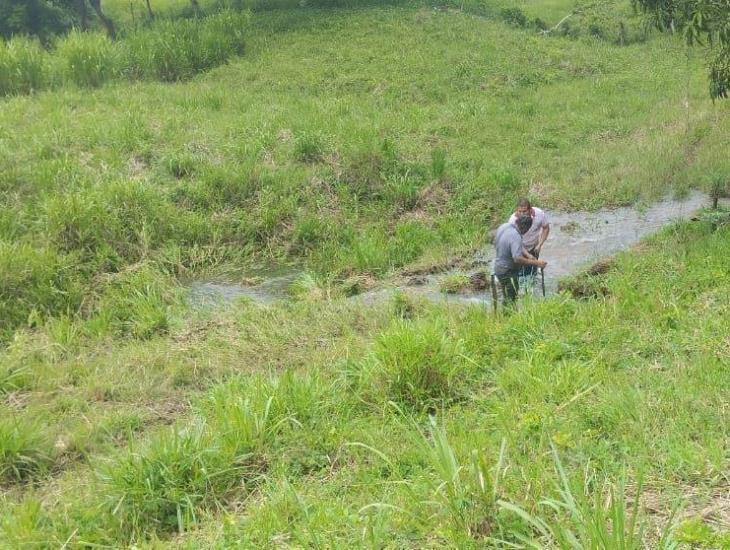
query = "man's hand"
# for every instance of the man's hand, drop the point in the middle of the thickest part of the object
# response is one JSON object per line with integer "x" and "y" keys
{"x": 542, "y": 264}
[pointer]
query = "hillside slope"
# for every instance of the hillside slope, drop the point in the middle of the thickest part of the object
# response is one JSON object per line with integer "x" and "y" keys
{"x": 357, "y": 141}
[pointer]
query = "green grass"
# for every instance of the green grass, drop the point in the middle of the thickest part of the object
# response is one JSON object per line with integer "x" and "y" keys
{"x": 357, "y": 156}
{"x": 354, "y": 142}
{"x": 547, "y": 424}
{"x": 454, "y": 283}
{"x": 168, "y": 50}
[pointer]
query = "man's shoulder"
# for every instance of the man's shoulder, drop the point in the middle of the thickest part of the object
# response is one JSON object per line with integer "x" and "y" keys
{"x": 540, "y": 214}
{"x": 503, "y": 229}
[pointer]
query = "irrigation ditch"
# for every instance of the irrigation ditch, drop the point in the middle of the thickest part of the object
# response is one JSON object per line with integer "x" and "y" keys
{"x": 579, "y": 242}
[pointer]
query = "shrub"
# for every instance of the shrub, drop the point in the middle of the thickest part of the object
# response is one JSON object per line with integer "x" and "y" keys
{"x": 23, "y": 66}
{"x": 88, "y": 59}
{"x": 35, "y": 17}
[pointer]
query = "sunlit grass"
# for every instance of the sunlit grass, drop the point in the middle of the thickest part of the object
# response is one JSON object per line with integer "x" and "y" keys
{"x": 355, "y": 142}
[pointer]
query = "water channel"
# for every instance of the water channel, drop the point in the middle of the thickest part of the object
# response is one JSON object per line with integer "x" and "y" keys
{"x": 577, "y": 239}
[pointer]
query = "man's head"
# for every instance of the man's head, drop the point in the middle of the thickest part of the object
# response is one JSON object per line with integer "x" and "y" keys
{"x": 524, "y": 223}
{"x": 523, "y": 208}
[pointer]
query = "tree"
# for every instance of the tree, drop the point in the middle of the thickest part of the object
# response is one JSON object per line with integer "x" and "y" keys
{"x": 704, "y": 22}
{"x": 108, "y": 23}
{"x": 42, "y": 18}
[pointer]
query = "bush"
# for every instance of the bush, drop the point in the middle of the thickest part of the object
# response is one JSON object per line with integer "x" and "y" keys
{"x": 22, "y": 66}
{"x": 39, "y": 18}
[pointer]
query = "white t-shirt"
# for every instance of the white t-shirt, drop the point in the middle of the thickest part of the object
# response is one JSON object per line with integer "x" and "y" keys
{"x": 539, "y": 220}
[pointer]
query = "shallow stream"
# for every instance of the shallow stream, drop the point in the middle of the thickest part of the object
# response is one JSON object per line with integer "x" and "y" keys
{"x": 577, "y": 239}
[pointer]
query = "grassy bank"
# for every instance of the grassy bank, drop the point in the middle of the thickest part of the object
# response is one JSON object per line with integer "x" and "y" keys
{"x": 169, "y": 51}
{"x": 355, "y": 141}
{"x": 308, "y": 424}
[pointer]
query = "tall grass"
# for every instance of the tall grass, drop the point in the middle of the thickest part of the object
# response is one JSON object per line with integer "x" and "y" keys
{"x": 613, "y": 382}
{"x": 174, "y": 50}
{"x": 167, "y": 50}
{"x": 35, "y": 282}
{"x": 187, "y": 470}
{"x": 416, "y": 364}
{"x": 573, "y": 519}
{"x": 25, "y": 451}
{"x": 23, "y": 66}
{"x": 87, "y": 59}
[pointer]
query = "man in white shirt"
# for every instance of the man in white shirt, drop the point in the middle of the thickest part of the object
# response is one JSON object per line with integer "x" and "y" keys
{"x": 536, "y": 236}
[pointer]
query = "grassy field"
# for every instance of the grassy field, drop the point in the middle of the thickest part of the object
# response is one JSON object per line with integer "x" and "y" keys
{"x": 307, "y": 424}
{"x": 353, "y": 142}
{"x": 405, "y": 141}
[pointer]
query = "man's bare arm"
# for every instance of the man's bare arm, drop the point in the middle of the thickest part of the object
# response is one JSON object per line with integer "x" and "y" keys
{"x": 524, "y": 260}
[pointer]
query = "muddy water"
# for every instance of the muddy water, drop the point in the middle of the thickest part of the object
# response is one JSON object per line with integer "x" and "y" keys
{"x": 580, "y": 238}
{"x": 271, "y": 287}
{"x": 577, "y": 239}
